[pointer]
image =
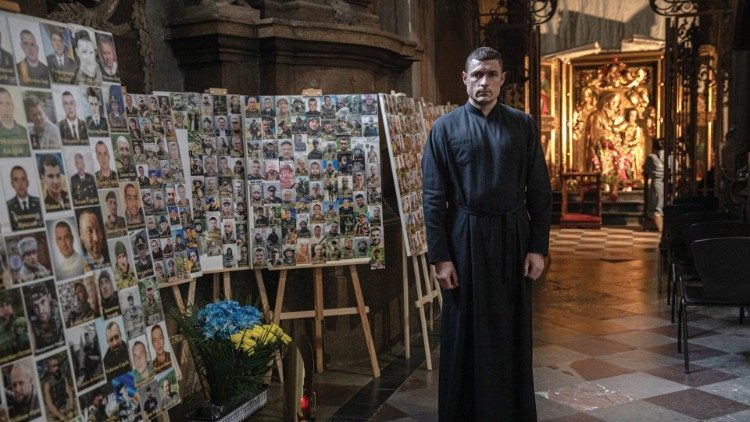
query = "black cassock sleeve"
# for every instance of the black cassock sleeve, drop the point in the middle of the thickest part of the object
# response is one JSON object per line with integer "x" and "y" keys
{"x": 434, "y": 173}
{"x": 538, "y": 193}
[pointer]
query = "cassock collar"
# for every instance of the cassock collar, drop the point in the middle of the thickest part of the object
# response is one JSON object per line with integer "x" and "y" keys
{"x": 471, "y": 109}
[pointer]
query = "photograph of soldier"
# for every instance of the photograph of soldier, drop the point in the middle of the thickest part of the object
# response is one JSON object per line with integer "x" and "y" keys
{"x": 88, "y": 72}
{"x": 113, "y": 342}
{"x": 96, "y": 122}
{"x": 122, "y": 261}
{"x": 168, "y": 390}
{"x": 143, "y": 371}
{"x": 28, "y": 257}
{"x": 21, "y": 391}
{"x": 22, "y": 194}
{"x": 7, "y": 62}
{"x": 115, "y": 116}
{"x": 151, "y": 300}
{"x": 85, "y": 352}
{"x": 13, "y": 135}
{"x": 123, "y": 158}
{"x": 108, "y": 57}
{"x": 109, "y": 300}
{"x": 363, "y": 247}
{"x": 134, "y": 217}
{"x": 159, "y": 347}
{"x": 91, "y": 231}
{"x": 14, "y": 328}
{"x": 99, "y": 404}
{"x": 42, "y": 132}
{"x": 132, "y": 311}
{"x": 67, "y": 260}
{"x": 53, "y": 182}
{"x": 44, "y": 315}
{"x": 72, "y": 128}
{"x": 56, "y": 379}
{"x": 144, "y": 267}
{"x": 57, "y": 42}
{"x": 82, "y": 183}
{"x": 31, "y": 64}
{"x": 79, "y": 301}
{"x": 114, "y": 222}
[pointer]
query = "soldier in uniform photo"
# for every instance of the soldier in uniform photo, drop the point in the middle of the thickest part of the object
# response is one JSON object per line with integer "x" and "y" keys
{"x": 60, "y": 61}
{"x": 57, "y": 389}
{"x": 70, "y": 263}
{"x": 31, "y": 70}
{"x": 143, "y": 372}
{"x": 24, "y": 210}
{"x": 22, "y": 397}
{"x": 143, "y": 265}
{"x": 56, "y": 198}
{"x": 152, "y": 306}
{"x": 133, "y": 212}
{"x": 44, "y": 314}
{"x": 7, "y": 68}
{"x": 105, "y": 177}
{"x": 88, "y": 72}
{"x": 82, "y": 184}
{"x": 115, "y": 116}
{"x": 44, "y": 134}
{"x": 72, "y": 129}
{"x": 95, "y": 123}
{"x": 108, "y": 57}
{"x": 124, "y": 274}
{"x": 132, "y": 315}
{"x": 31, "y": 268}
{"x": 14, "y": 330}
{"x": 82, "y": 311}
{"x": 92, "y": 237}
{"x": 114, "y": 224}
{"x": 110, "y": 303}
{"x": 123, "y": 160}
{"x": 162, "y": 358}
{"x": 10, "y": 129}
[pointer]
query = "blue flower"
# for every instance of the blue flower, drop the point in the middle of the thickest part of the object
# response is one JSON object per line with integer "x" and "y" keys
{"x": 222, "y": 319}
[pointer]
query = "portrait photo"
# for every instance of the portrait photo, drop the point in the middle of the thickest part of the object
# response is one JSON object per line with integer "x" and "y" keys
{"x": 53, "y": 180}
{"x": 113, "y": 344}
{"x": 67, "y": 254}
{"x": 115, "y": 108}
{"x": 58, "y": 47}
{"x": 98, "y": 403}
{"x": 79, "y": 301}
{"x": 14, "y": 138}
{"x": 159, "y": 347}
{"x": 28, "y": 257}
{"x": 31, "y": 62}
{"x": 39, "y": 108}
{"x": 109, "y": 300}
{"x": 20, "y": 185}
{"x": 92, "y": 234}
{"x": 132, "y": 311}
{"x": 169, "y": 389}
{"x": 84, "y": 44}
{"x": 13, "y": 316}
{"x": 7, "y": 62}
{"x": 43, "y": 311}
{"x": 57, "y": 386}
{"x": 108, "y": 62}
{"x": 122, "y": 262}
{"x": 80, "y": 167}
{"x": 143, "y": 371}
{"x": 22, "y": 399}
{"x": 85, "y": 352}
{"x": 94, "y": 111}
{"x": 70, "y": 116}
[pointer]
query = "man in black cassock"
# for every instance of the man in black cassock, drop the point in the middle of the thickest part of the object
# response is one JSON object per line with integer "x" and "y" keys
{"x": 485, "y": 161}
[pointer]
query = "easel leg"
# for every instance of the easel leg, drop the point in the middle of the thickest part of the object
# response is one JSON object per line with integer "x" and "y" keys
{"x": 277, "y": 308}
{"x": 227, "y": 281}
{"x": 279, "y": 297}
{"x": 422, "y": 318}
{"x": 267, "y": 311}
{"x": 365, "y": 322}
{"x": 405, "y": 276}
{"x": 217, "y": 281}
{"x": 437, "y": 286}
{"x": 428, "y": 290}
{"x": 318, "y": 275}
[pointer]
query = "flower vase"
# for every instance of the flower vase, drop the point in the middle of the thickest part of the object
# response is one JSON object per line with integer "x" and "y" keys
{"x": 239, "y": 411}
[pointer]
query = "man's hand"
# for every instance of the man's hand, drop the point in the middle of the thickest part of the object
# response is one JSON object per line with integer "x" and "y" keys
{"x": 533, "y": 265}
{"x": 446, "y": 275}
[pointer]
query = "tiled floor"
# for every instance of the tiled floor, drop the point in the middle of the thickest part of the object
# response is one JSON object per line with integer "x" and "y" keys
{"x": 604, "y": 348}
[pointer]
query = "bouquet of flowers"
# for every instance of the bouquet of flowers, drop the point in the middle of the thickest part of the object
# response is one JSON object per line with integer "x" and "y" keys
{"x": 232, "y": 347}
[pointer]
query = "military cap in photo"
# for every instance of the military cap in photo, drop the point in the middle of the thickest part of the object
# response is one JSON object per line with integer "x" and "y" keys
{"x": 162, "y": 219}
{"x": 110, "y": 195}
{"x": 38, "y": 290}
{"x": 119, "y": 248}
{"x": 26, "y": 245}
{"x": 272, "y": 188}
{"x": 140, "y": 242}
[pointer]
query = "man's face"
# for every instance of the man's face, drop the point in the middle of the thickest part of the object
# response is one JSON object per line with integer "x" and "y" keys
{"x": 6, "y": 310}
{"x": 376, "y": 237}
{"x": 30, "y": 47}
{"x": 483, "y": 80}
{"x": 140, "y": 357}
{"x": 21, "y": 384}
{"x": 222, "y": 124}
{"x": 266, "y": 125}
{"x": 69, "y": 105}
{"x": 128, "y": 100}
{"x": 286, "y": 150}
{"x": 124, "y": 149}
{"x": 114, "y": 338}
{"x": 122, "y": 261}
{"x": 38, "y": 116}
{"x": 267, "y": 103}
{"x": 312, "y": 105}
{"x": 131, "y": 199}
{"x": 93, "y": 104}
{"x": 255, "y": 168}
{"x": 102, "y": 155}
{"x": 64, "y": 240}
{"x": 107, "y": 53}
{"x": 52, "y": 180}
{"x": 313, "y": 124}
{"x": 344, "y": 144}
{"x": 210, "y": 164}
{"x": 6, "y": 107}
{"x": 91, "y": 235}
{"x": 86, "y": 52}
{"x": 58, "y": 44}
{"x": 20, "y": 182}
{"x": 252, "y": 104}
{"x": 157, "y": 340}
{"x": 170, "y": 195}
{"x": 360, "y": 200}
{"x": 30, "y": 258}
{"x": 43, "y": 307}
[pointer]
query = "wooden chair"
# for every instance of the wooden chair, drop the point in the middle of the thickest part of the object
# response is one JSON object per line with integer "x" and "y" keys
{"x": 587, "y": 181}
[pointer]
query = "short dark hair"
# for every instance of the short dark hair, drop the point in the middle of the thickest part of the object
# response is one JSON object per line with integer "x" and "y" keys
{"x": 483, "y": 54}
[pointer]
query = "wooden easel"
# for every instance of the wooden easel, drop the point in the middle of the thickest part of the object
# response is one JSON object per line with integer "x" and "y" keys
{"x": 426, "y": 274}
{"x": 320, "y": 312}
